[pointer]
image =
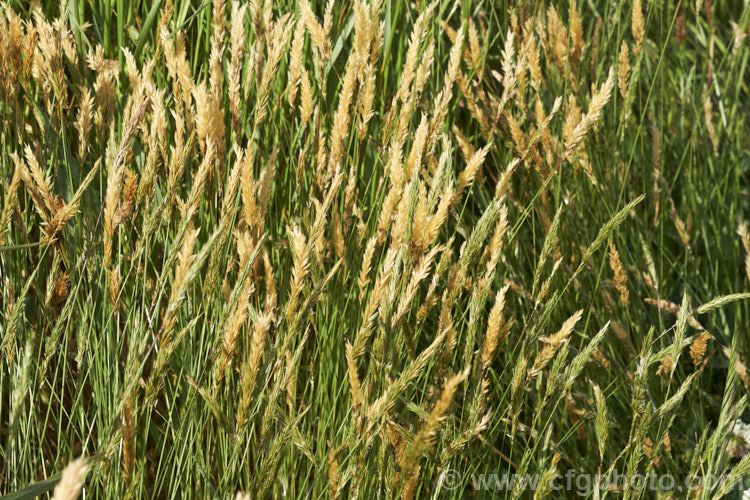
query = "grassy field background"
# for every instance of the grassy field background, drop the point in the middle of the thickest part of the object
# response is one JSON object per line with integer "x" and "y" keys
{"x": 373, "y": 249}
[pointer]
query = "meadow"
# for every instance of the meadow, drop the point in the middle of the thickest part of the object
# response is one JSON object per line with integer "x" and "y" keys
{"x": 374, "y": 248}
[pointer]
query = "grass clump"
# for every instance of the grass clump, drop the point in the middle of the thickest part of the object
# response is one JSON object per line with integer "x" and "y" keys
{"x": 372, "y": 248}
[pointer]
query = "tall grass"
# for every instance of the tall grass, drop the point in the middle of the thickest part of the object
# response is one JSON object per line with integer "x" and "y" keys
{"x": 343, "y": 250}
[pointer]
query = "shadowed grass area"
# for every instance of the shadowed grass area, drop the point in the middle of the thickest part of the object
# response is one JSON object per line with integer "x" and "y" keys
{"x": 374, "y": 249}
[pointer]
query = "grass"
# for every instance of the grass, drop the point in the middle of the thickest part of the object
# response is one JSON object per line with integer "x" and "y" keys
{"x": 373, "y": 249}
